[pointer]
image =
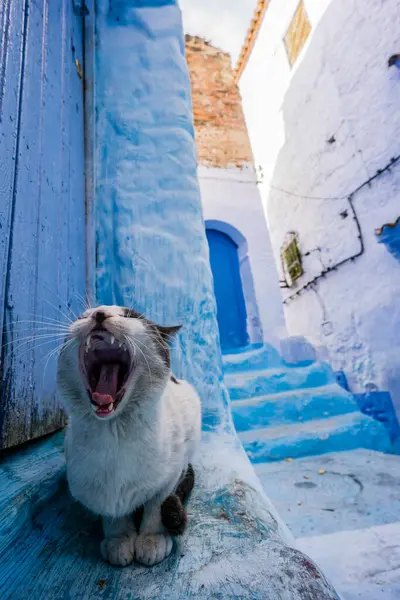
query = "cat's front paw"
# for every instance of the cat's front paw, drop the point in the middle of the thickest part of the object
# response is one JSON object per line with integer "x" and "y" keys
{"x": 118, "y": 551}
{"x": 152, "y": 549}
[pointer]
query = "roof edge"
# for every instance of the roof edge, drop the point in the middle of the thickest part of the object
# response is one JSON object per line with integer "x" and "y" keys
{"x": 251, "y": 37}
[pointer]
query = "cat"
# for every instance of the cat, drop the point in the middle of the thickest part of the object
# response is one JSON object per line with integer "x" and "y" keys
{"x": 133, "y": 428}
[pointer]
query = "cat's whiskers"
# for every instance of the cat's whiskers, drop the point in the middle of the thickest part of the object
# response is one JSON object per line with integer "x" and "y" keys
{"x": 85, "y": 301}
{"x": 37, "y": 312}
{"x": 29, "y": 338}
{"x": 132, "y": 343}
{"x": 17, "y": 330}
{"x": 58, "y": 309}
{"x": 32, "y": 348}
{"x": 37, "y": 321}
{"x": 53, "y": 352}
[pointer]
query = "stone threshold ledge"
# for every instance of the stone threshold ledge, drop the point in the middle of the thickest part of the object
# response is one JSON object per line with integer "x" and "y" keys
{"x": 235, "y": 545}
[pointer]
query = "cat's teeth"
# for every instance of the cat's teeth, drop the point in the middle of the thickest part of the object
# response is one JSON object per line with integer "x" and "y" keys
{"x": 110, "y": 407}
{"x": 87, "y": 343}
{"x": 112, "y": 340}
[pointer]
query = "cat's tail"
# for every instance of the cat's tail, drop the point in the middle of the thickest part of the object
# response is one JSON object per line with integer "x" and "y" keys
{"x": 173, "y": 513}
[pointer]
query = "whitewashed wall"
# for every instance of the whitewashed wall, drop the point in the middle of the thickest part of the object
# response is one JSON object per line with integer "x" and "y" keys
{"x": 266, "y": 78}
{"x": 341, "y": 87}
{"x": 231, "y": 196}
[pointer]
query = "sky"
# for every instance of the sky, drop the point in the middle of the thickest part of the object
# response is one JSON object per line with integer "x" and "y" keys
{"x": 222, "y": 22}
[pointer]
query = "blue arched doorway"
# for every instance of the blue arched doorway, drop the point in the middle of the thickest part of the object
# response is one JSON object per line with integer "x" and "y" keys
{"x": 231, "y": 309}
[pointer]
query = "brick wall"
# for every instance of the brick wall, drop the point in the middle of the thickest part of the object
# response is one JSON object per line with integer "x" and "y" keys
{"x": 221, "y": 133}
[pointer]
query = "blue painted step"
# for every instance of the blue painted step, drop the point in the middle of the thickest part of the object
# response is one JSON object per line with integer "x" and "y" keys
{"x": 291, "y": 407}
{"x": 252, "y": 358}
{"x": 344, "y": 432}
{"x": 272, "y": 381}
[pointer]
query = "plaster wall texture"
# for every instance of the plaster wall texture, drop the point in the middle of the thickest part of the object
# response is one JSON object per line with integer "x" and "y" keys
{"x": 341, "y": 86}
{"x": 231, "y": 202}
{"x": 152, "y": 252}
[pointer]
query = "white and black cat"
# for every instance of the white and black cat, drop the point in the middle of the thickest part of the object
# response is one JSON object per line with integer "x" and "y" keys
{"x": 133, "y": 427}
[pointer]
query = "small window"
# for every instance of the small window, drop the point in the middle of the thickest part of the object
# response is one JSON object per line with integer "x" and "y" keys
{"x": 297, "y": 34}
{"x": 291, "y": 260}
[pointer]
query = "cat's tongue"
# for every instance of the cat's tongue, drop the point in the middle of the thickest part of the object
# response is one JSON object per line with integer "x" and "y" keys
{"x": 107, "y": 386}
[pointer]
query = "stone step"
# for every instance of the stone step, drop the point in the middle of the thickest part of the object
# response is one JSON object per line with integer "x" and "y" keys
{"x": 339, "y": 491}
{"x": 252, "y": 358}
{"x": 361, "y": 563}
{"x": 291, "y": 407}
{"x": 272, "y": 381}
{"x": 339, "y": 433}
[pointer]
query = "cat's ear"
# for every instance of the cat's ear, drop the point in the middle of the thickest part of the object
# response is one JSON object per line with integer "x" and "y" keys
{"x": 168, "y": 333}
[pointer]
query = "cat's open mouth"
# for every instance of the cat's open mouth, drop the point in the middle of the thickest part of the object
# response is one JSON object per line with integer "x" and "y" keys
{"x": 106, "y": 366}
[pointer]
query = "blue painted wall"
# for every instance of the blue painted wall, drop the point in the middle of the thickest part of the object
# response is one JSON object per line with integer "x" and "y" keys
{"x": 42, "y": 210}
{"x": 378, "y": 404}
{"x": 152, "y": 252}
{"x": 231, "y": 310}
{"x": 390, "y": 236}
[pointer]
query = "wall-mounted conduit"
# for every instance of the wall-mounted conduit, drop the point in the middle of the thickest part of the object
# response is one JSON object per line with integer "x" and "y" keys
{"x": 350, "y": 197}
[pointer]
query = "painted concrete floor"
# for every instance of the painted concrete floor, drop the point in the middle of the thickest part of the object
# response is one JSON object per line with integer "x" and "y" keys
{"x": 344, "y": 510}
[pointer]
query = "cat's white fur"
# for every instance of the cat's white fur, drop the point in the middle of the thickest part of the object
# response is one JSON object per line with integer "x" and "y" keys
{"x": 136, "y": 457}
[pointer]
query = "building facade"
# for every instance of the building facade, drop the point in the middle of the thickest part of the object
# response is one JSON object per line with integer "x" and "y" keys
{"x": 245, "y": 277}
{"x": 321, "y": 90}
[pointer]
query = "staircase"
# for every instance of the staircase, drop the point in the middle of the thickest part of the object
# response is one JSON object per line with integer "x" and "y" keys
{"x": 286, "y": 411}
{"x": 323, "y": 464}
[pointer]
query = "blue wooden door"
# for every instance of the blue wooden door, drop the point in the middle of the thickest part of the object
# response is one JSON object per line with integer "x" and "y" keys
{"x": 42, "y": 206}
{"x": 231, "y": 311}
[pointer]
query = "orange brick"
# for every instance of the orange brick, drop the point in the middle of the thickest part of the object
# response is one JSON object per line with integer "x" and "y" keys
{"x": 221, "y": 134}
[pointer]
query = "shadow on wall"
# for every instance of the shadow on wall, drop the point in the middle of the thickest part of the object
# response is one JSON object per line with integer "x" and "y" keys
{"x": 234, "y": 291}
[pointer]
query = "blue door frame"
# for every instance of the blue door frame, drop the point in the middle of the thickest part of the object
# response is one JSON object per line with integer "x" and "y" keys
{"x": 42, "y": 206}
{"x": 231, "y": 309}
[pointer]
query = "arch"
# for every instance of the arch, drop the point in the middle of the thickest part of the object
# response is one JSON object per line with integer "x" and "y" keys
{"x": 231, "y": 232}
{"x": 253, "y": 332}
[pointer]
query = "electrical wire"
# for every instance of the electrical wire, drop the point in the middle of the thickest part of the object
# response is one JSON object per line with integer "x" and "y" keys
{"x": 393, "y": 161}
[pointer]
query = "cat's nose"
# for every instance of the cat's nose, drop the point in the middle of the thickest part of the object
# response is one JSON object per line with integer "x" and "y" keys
{"x": 100, "y": 316}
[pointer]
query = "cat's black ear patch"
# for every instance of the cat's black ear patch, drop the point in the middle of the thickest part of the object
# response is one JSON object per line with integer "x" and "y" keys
{"x": 168, "y": 333}
{"x": 163, "y": 336}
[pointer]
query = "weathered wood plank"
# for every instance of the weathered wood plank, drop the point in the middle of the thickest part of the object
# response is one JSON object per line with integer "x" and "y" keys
{"x": 46, "y": 257}
{"x": 11, "y": 62}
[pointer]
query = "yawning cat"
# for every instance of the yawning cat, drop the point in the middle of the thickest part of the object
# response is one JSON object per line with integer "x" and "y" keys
{"x": 133, "y": 427}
